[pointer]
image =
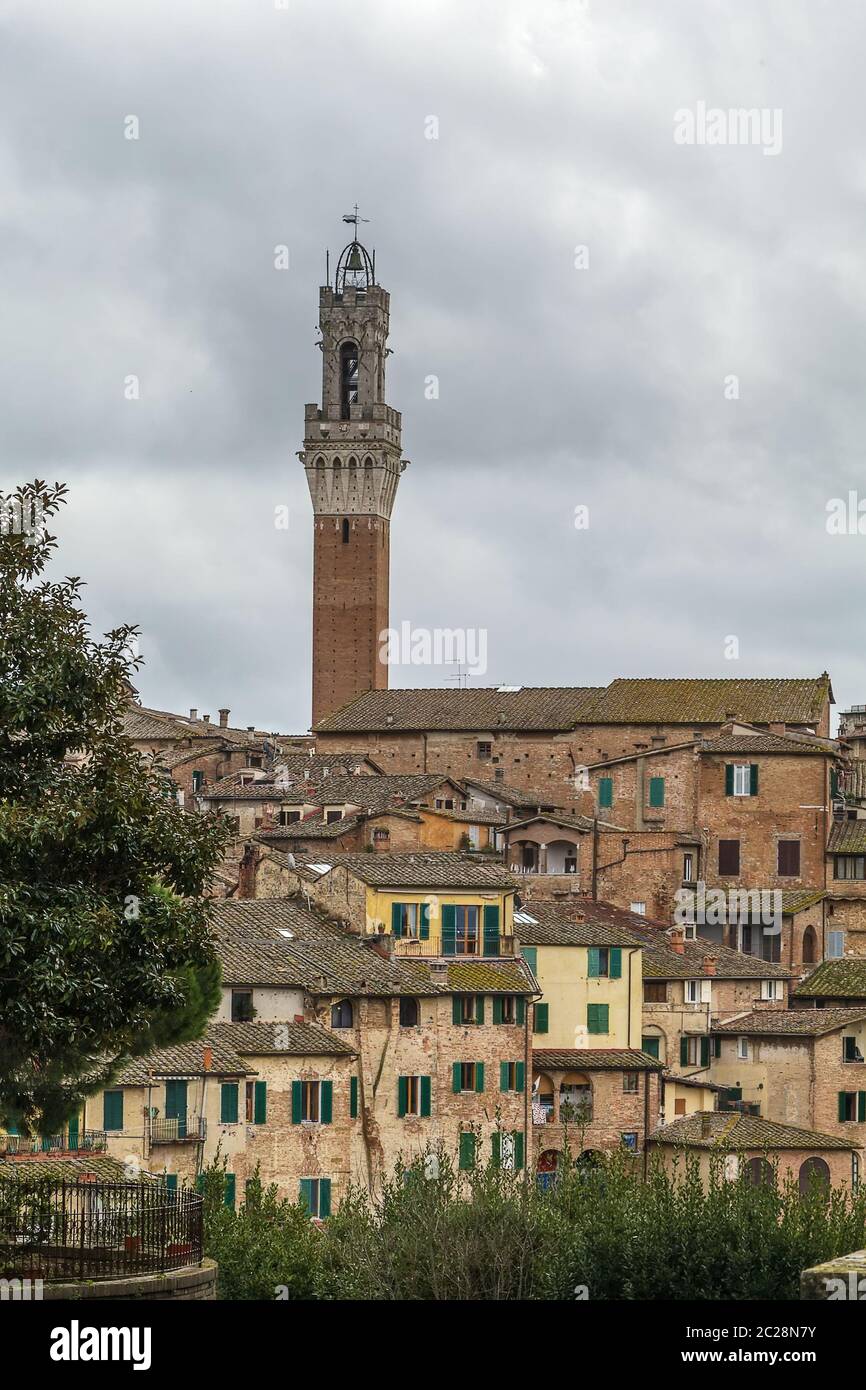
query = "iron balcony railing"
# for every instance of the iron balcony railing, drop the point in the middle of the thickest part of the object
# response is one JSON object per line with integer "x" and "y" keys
{"x": 187, "y": 1128}
{"x": 90, "y": 1141}
{"x": 58, "y": 1230}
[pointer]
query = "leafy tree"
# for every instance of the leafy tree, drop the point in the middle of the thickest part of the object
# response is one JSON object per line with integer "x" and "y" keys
{"x": 105, "y": 949}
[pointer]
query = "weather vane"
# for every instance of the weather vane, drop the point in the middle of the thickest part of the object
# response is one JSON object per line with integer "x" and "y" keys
{"x": 356, "y": 218}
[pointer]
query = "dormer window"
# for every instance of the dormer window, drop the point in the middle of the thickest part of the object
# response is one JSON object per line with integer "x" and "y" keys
{"x": 332, "y": 816}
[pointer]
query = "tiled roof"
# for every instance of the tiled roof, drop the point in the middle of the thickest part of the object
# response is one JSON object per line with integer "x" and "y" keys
{"x": 545, "y": 924}
{"x": 70, "y": 1169}
{"x": 697, "y": 1083}
{"x": 367, "y": 791}
{"x": 847, "y": 837}
{"x": 854, "y": 780}
{"x": 798, "y": 899}
{"x": 593, "y": 1059}
{"x": 481, "y": 710}
{"x": 835, "y": 979}
{"x": 581, "y": 823}
{"x": 768, "y": 743}
{"x": 509, "y": 796}
{"x": 489, "y": 977}
{"x": 444, "y": 869}
{"x": 790, "y": 1022}
{"x": 142, "y": 723}
{"x": 184, "y": 1059}
{"x": 298, "y": 1039}
{"x": 716, "y": 1129}
{"x": 702, "y": 701}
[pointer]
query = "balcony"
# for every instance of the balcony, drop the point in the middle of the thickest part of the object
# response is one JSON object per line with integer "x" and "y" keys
{"x": 413, "y": 947}
{"x": 16, "y": 1145}
{"x": 187, "y": 1129}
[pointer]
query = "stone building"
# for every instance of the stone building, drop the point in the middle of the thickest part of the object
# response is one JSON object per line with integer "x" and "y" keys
{"x": 767, "y": 1152}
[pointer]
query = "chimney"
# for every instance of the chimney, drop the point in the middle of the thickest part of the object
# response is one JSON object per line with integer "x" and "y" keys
{"x": 247, "y": 871}
{"x": 706, "y": 1124}
{"x": 224, "y": 718}
{"x": 207, "y": 1058}
{"x": 251, "y": 728}
{"x": 389, "y": 720}
{"x": 710, "y": 965}
{"x": 382, "y": 944}
{"x": 193, "y": 714}
{"x": 206, "y": 718}
{"x": 678, "y": 940}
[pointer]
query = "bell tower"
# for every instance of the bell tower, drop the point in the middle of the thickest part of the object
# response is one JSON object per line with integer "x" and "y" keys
{"x": 353, "y": 461}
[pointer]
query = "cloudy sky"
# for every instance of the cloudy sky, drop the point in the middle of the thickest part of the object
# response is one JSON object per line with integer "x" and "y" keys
{"x": 694, "y": 377}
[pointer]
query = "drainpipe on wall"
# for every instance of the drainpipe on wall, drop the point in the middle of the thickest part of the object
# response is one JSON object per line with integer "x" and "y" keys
{"x": 595, "y": 858}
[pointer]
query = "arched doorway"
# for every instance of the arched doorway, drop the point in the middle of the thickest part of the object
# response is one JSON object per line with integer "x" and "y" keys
{"x": 814, "y": 1173}
{"x": 759, "y": 1173}
{"x": 810, "y": 946}
{"x": 575, "y": 1099}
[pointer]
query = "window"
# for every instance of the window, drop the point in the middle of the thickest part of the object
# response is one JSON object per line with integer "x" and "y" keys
{"x": 465, "y": 930}
{"x": 810, "y": 946}
{"x": 629, "y": 1141}
{"x": 639, "y": 908}
{"x": 741, "y": 779}
{"x": 852, "y": 1107}
{"x": 657, "y": 791}
{"x": 598, "y": 1018}
{"x": 342, "y": 1014}
{"x": 348, "y": 378}
{"x": 729, "y": 856}
{"x": 789, "y": 858}
{"x": 381, "y": 833}
{"x": 467, "y": 1076}
{"x": 345, "y": 531}
{"x": 743, "y": 1049}
{"x": 507, "y": 1148}
{"x": 849, "y": 866}
{"x": 605, "y": 791}
{"x": 242, "y": 1006}
{"x": 651, "y": 1046}
{"x": 530, "y": 955}
{"x": 413, "y": 1096}
{"x": 197, "y": 781}
{"x": 835, "y": 945}
{"x": 408, "y": 1012}
{"x": 771, "y": 989}
{"x": 112, "y": 1110}
{"x": 410, "y": 921}
{"x": 680, "y": 1106}
{"x": 855, "y": 1171}
{"x": 512, "y": 1076}
{"x": 256, "y": 1102}
{"x": 693, "y": 991}
{"x": 630, "y": 1082}
{"x": 655, "y": 992}
{"x": 467, "y": 1009}
{"x": 541, "y": 1016}
{"x": 466, "y": 1159}
{"x": 604, "y": 962}
{"x": 312, "y": 1102}
{"x": 688, "y": 868}
{"x": 315, "y": 1195}
{"x": 694, "y": 1050}
{"x": 851, "y": 1050}
{"x": 289, "y": 817}
{"x": 332, "y": 816}
{"x": 484, "y": 750}
{"x": 508, "y": 1008}
{"x": 229, "y": 1103}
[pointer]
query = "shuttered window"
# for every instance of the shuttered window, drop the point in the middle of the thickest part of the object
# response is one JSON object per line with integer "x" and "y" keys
{"x": 491, "y": 929}
{"x": 657, "y": 791}
{"x": 597, "y": 1018}
{"x": 315, "y": 1195}
{"x": 512, "y": 1076}
{"x": 112, "y": 1110}
{"x": 541, "y": 1022}
{"x": 729, "y": 856}
{"x": 229, "y": 1103}
{"x": 507, "y": 1147}
{"x": 467, "y": 1150}
{"x": 789, "y": 858}
{"x": 353, "y": 1097}
{"x": 605, "y": 791}
{"x": 312, "y": 1102}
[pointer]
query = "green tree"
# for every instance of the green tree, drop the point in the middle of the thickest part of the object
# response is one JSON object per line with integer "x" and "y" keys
{"x": 105, "y": 948}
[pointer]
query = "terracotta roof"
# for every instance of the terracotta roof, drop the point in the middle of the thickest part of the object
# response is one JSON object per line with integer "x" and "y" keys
{"x": 505, "y": 976}
{"x": 582, "y": 823}
{"x": 716, "y": 1129}
{"x": 443, "y": 869}
{"x": 71, "y": 1168}
{"x": 367, "y": 791}
{"x": 847, "y": 837}
{"x": 142, "y": 723}
{"x": 481, "y": 710}
{"x": 791, "y": 744}
{"x": 790, "y": 1022}
{"x": 545, "y": 924}
{"x": 854, "y": 780}
{"x": 184, "y": 1059}
{"x": 508, "y": 795}
{"x": 712, "y": 701}
{"x": 297, "y": 1039}
{"x": 697, "y": 1083}
{"x": 835, "y": 979}
{"x": 593, "y": 1059}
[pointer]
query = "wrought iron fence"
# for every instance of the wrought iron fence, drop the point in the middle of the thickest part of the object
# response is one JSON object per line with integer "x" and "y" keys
{"x": 59, "y": 1230}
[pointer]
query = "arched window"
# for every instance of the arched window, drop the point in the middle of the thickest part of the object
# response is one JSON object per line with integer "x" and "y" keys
{"x": 348, "y": 378}
{"x": 368, "y": 462}
{"x": 759, "y": 1173}
{"x": 810, "y": 942}
{"x": 408, "y": 1012}
{"x": 575, "y": 1099}
{"x": 815, "y": 1172}
{"x": 342, "y": 1014}
{"x": 345, "y": 531}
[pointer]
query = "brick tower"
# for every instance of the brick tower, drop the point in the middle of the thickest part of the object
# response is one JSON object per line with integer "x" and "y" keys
{"x": 352, "y": 459}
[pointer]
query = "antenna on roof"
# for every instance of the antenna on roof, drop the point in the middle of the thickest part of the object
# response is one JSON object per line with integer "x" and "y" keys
{"x": 461, "y": 677}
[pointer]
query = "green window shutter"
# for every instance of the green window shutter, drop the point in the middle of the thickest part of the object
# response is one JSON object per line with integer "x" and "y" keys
{"x": 705, "y": 1052}
{"x": 657, "y": 791}
{"x": 353, "y": 1097}
{"x": 479, "y": 1076}
{"x": 228, "y": 1103}
{"x": 530, "y": 955}
{"x": 426, "y": 1092}
{"x": 479, "y": 1008}
{"x": 615, "y": 959}
{"x": 491, "y": 929}
{"x": 518, "y": 1149}
{"x": 457, "y": 1009}
{"x": 594, "y": 962}
{"x": 684, "y": 1052}
{"x": 497, "y": 1008}
{"x": 112, "y": 1110}
{"x": 503, "y": 1076}
{"x": 605, "y": 791}
{"x": 467, "y": 1150}
{"x": 324, "y": 1197}
{"x": 843, "y": 1096}
{"x": 305, "y": 1194}
{"x": 260, "y": 1102}
{"x": 396, "y": 918}
{"x": 171, "y": 1182}
{"x": 402, "y": 1095}
{"x": 296, "y": 1102}
{"x": 455, "y": 1077}
{"x": 521, "y": 1076}
{"x": 542, "y": 1012}
{"x": 425, "y": 921}
{"x": 327, "y": 1105}
{"x": 650, "y": 1046}
{"x": 597, "y": 1018}
{"x": 717, "y": 1047}
{"x": 753, "y": 779}
{"x": 72, "y": 1133}
{"x": 520, "y": 1010}
{"x": 861, "y": 1106}
{"x": 729, "y": 779}
{"x": 229, "y": 1190}
{"x": 199, "y": 1182}
{"x": 496, "y": 1146}
{"x": 449, "y": 930}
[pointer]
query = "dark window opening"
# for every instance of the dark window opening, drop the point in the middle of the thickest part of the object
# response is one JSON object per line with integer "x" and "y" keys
{"x": 348, "y": 378}
{"x": 345, "y": 531}
{"x": 242, "y": 1006}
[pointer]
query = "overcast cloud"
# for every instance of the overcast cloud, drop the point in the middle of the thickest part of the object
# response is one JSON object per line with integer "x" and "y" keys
{"x": 559, "y": 386}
